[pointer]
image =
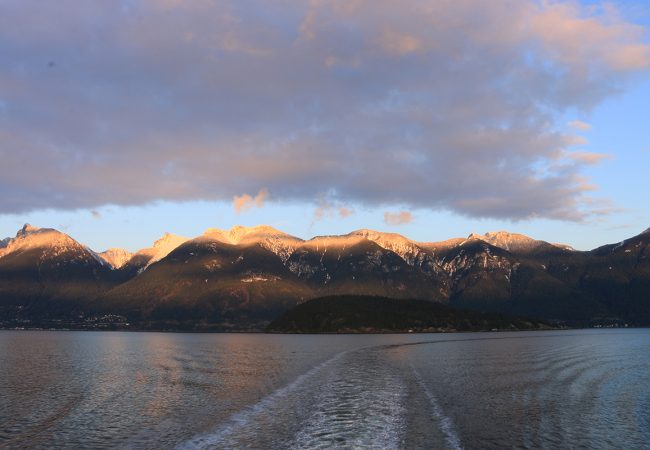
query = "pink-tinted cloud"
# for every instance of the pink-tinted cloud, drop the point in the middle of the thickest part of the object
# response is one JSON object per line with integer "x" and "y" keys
{"x": 437, "y": 105}
{"x": 400, "y": 43}
{"x": 588, "y": 158}
{"x": 330, "y": 209}
{"x": 577, "y": 38}
{"x": 580, "y": 125}
{"x": 345, "y": 212}
{"x": 398, "y": 218}
{"x": 244, "y": 202}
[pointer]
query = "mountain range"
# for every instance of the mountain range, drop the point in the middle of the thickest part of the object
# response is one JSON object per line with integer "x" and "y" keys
{"x": 243, "y": 278}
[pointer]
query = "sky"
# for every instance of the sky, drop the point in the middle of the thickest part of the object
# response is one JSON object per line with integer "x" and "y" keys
{"x": 120, "y": 121}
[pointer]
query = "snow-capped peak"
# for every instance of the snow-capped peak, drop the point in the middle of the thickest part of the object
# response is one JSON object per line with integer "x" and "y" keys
{"x": 169, "y": 240}
{"x": 50, "y": 243}
{"x": 239, "y": 234}
{"x": 505, "y": 240}
{"x": 32, "y": 236}
{"x": 116, "y": 257}
{"x": 276, "y": 241}
{"x": 161, "y": 248}
{"x": 396, "y": 243}
{"x": 513, "y": 242}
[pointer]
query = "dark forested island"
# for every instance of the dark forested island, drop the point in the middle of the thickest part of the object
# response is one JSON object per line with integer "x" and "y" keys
{"x": 371, "y": 314}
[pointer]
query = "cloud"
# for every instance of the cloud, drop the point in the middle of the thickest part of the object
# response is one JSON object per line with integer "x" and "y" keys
{"x": 574, "y": 37}
{"x": 398, "y": 218}
{"x": 588, "y": 158}
{"x": 453, "y": 106}
{"x": 327, "y": 208}
{"x": 580, "y": 125}
{"x": 244, "y": 202}
{"x": 345, "y": 212}
{"x": 96, "y": 214}
{"x": 320, "y": 212}
{"x": 400, "y": 44}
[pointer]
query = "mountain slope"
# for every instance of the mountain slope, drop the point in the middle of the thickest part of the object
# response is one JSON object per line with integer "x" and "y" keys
{"x": 619, "y": 276}
{"x": 46, "y": 273}
{"x": 355, "y": 265}
{"x": 207, "y": 280}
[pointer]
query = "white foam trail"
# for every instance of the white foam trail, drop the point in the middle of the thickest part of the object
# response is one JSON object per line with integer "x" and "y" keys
{"x": 242, "y": 418}
{"x": 446, "y": 424}
{"x": 359, "y": 405}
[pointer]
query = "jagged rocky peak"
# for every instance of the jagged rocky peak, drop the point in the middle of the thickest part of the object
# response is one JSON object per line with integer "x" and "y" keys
{"x": 116, "y": 257}
{"x": 32, "y": 236}
{"x": 647, "y": 231}
{"x": 26, "y": 230}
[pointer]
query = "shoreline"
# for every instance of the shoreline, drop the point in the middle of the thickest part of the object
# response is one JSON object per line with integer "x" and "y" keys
{"x": 351, "y": 333}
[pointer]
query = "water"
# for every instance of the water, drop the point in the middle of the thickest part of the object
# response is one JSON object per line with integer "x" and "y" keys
{"x": 569, "y": 389}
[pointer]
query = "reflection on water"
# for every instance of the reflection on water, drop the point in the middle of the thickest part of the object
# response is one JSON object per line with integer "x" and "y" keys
{"x": 189, "y": 391}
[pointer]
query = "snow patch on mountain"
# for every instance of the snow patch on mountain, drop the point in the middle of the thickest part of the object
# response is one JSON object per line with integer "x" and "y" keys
{"x": 462, "y": 262}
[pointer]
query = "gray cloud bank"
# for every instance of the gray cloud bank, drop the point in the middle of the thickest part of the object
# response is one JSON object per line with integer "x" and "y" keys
{"x": 427, "y": 104}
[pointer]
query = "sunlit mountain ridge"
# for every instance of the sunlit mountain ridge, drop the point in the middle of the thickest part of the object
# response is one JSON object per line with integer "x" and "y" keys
{"x": 244, "y": 277}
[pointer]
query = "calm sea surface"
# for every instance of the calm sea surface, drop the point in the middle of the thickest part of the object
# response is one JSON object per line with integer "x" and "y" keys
{"x": 568, "y": 389}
